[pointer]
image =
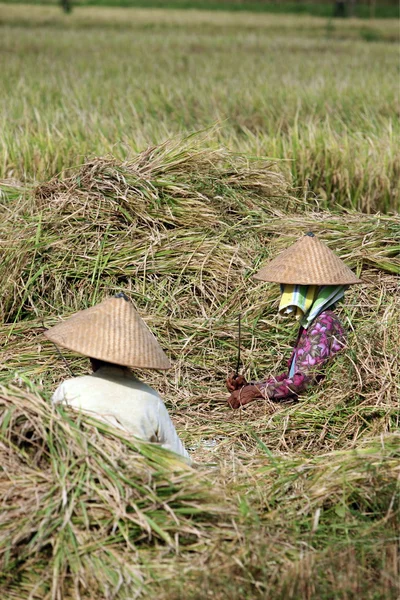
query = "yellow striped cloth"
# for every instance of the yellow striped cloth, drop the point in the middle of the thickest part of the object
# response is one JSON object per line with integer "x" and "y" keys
{"x": 298, "y": 299}
{"x": 307, "y": 301}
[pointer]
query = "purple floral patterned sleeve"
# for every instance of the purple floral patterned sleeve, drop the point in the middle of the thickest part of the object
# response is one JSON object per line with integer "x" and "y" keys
{"x": 315, "y": 345}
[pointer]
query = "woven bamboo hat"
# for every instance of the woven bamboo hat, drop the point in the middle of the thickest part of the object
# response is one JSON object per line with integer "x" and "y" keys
{"x": 308, "y": 262}
{"x": 111, "y": 331}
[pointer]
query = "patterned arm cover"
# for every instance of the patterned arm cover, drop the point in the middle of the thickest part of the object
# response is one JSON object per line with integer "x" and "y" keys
{"x": 316, "y": 345}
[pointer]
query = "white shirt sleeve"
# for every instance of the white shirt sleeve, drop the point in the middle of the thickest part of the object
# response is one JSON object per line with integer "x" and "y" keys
{"x": 59, "y": 395}
{"x": 166, "y": 433}
{"x": 151, "y": 424}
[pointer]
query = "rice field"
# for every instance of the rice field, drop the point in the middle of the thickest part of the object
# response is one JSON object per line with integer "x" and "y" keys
{"x": 167, "y": 154}
{"x": 317, "y": 94}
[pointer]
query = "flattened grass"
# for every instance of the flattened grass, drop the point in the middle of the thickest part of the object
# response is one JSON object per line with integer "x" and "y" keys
{"x": 182, "y": 229}
{"x": 325, "y": 527}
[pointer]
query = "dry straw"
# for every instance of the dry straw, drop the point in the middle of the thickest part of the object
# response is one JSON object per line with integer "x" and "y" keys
{"x": 79, "y": 498}
{"x": 181, "y": 230}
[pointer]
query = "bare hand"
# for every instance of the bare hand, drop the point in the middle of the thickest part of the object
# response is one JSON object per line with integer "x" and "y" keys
{"x": 244, "y": 395}
{"x": 235, "y": 382}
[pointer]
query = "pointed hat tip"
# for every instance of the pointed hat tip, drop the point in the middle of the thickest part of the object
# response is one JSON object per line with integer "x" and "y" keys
{"x": 122, "y": 295}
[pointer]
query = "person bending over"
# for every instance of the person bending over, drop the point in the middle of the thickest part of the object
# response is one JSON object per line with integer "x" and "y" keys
{"x": 312, "y": 280}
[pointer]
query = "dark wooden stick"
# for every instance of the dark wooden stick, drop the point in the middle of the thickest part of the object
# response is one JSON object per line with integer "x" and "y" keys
{"x": 239, "y": 341}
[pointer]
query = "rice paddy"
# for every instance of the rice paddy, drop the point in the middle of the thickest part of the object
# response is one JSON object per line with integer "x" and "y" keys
{"x": 105, "y": 189}
{"x": 311, "y": 92}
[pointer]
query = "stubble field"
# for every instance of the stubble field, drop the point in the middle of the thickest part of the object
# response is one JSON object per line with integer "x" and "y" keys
{"x": 300, "y": 132}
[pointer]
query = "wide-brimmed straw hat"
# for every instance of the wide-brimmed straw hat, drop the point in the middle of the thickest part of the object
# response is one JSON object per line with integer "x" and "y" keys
{"x": 111, "y": 331}
{"x": 308, "y": 262}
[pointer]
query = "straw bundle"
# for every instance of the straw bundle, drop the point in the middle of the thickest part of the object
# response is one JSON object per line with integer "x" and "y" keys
{"x": 80, "y": 499}
{"x": 169, "y": 212}
{"x": 323, "y": 527}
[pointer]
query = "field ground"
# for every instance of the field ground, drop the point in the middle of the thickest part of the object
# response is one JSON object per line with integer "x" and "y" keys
{"x": 287, "y": 501}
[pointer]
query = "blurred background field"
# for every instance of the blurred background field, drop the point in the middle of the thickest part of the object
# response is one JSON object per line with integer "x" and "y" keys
{"x": 320, "y": 8}
{"x": 319, "y": 94}
{"x": 300, "y": 132}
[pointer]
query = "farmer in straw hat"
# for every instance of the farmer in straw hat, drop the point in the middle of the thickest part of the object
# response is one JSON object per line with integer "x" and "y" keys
{"x": 115, "y": 338}
{"x": 313, "y": 279}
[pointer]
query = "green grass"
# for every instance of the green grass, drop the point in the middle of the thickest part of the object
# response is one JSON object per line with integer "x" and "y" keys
{"x": 386, "y": 10}
{"x": 316, "y": 94}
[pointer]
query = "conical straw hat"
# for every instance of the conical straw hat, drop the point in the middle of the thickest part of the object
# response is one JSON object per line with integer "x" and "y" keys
{"x": 111, "y": 331}
{"x": 308, "y": 262}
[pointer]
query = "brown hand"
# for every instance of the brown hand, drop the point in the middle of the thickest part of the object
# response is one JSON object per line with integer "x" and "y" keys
{"x": 244, "y": 395}
{"x": 234, "y": 382}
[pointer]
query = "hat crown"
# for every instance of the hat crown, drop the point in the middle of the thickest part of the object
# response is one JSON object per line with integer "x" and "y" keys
{"x": 112, "y": 331}
{"x": 308, "y": 262}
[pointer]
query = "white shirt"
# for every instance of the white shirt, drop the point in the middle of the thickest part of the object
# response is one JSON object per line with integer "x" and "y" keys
{"x": 116, "y": 396}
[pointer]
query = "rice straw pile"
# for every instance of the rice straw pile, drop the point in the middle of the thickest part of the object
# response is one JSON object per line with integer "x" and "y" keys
{"x": 304, "y": 490}
{"x": 80, "y": 499}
